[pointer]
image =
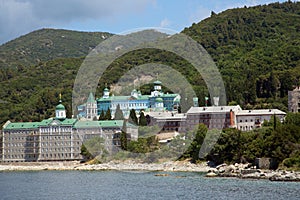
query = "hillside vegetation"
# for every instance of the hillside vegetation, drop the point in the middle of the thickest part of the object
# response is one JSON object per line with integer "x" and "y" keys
{"x": 48, "y": 44}
{"x": 258, "y": 47}
{"x": 257, "y": 50}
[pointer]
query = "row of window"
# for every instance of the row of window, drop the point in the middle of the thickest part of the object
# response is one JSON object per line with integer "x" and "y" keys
{"x": 56, "y": 129}
{"x": 60, "y": 155}
{"x": 21, "y": 151}
{"x": 251, "y": 120}
{"x": 50, "y": 156}
{"x": 130, "y": 105}
{"x": 212, "y": 121}
{"x": 246, "y": 128}
{"x": 66, "y": 149}
{"x": 212, "y": 116}
{"x": 24, "y": 131}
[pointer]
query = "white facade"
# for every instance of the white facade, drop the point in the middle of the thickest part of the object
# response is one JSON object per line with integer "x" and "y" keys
{"x": 250, "y": 119}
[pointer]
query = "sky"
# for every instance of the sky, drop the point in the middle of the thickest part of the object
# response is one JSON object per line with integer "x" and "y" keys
{"x": 19, "y": 17}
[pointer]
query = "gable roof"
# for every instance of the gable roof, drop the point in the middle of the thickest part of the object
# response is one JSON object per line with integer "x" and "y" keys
{"x": 35, "y": 125}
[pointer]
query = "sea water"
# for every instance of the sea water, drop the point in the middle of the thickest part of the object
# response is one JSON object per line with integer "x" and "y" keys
{"x": 137, "y": 185}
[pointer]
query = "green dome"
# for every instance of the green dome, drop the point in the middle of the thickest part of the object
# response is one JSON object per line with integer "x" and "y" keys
{"x": 157, "y": 82}
{"x": 158, "y": 99}
{"x": 106, "y": 89}
{"x": 60, "y": 107}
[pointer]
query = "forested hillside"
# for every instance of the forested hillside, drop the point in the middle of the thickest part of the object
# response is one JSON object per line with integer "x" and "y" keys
{"x": 48, "y": 44}
{"x": 257, "y": 50}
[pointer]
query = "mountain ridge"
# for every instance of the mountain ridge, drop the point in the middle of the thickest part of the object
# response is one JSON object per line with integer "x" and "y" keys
{"x": 256, "y": 49}
{"x": 48, "y": 44}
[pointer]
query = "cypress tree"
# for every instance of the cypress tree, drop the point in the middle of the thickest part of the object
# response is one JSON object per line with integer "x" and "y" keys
{"x": 119, "y": 114}
{"x": 123, "y": 137}
{"x": 102, "y": 115}
{"x": 132, "y": 117}
{"x": 108, "y": 115}
{"x": 142, "y": 119}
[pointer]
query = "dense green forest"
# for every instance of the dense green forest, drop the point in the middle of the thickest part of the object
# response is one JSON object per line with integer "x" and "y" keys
{"x": 256, "y": 50}
{"x": 257, "y": 46}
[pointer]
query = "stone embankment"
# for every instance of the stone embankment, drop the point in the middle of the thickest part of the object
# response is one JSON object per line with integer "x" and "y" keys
{"x": 247, "y": 171}
{"x": 113, "y": 165}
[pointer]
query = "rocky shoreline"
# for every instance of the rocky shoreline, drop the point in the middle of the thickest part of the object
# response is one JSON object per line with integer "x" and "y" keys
{"x": 113, "y": 165}
{"x": 246, "y": 171}
{"x": 243, "y": 171}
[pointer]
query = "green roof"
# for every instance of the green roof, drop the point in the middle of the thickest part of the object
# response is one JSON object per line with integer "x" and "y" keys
{"x": 124, "y": 98}
{"x": 22, "y": 125}
{"x": 46, "y": 122}
{"x": 60, "y": 107}
{"x": 32, "y": 125}
{"x": 86, "y": 124}
{"x": 158, "y": 99}
{"x": 169, "y": 95}
{"x": 68, "y": 121}
{"x": 113, "y": 123}
{"x": 91, "y": 98}
{"x": 157, "y": 82}
{"x": 103, "y": 124}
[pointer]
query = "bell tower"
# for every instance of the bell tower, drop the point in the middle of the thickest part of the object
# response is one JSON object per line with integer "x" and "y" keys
{"x": 60, "y": 110}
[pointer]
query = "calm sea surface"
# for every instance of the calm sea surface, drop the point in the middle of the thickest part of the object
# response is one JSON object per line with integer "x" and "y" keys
{"x": 137, "y": 185}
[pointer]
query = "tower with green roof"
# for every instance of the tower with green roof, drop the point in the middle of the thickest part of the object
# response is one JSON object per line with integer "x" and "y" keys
{"x": 91, "y": 107}
{"x": 159, "y": 104}
{"x": 60, "y": 110}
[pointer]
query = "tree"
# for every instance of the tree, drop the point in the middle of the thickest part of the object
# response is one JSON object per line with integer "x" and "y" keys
{"x": 102, "y": 115}
{"x": 94, "y": 147}
{"x": 119, "y": 114}
{"x": 142, "y": 119}
{"x": 194, "y": 148}
{"x": 107, "y": 115}
{"x": 132, "y": 117}
{"x": 123, "y": 136}
{"x": 85, "y": 153}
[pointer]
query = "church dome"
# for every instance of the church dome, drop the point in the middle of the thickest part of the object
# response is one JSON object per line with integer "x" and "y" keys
{"x": 158, "y": 99}
{"x": 60, "y": 107}
{"x": 157, "y": 82}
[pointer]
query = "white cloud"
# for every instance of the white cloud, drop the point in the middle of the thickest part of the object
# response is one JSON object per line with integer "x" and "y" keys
{"x": 22, "y": 16}
{"x": 165, "y": 23}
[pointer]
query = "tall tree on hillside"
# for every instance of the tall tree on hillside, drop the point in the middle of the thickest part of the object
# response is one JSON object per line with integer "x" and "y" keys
{"x": 123, "y": 136}
{"x": 119, "y": 114}
{"x": 102, "y": 115}
{"x": 108, "y": 115}
{"x": 194, "y": 148}
{"x": 142, "y": 119}
{"x": 132, "y": 117}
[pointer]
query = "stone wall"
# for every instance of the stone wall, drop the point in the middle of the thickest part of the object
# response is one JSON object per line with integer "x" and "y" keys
{"x": 266, "y": 163}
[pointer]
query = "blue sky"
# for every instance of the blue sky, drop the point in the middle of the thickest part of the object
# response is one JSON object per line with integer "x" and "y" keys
{"x": 18, "y": 17}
